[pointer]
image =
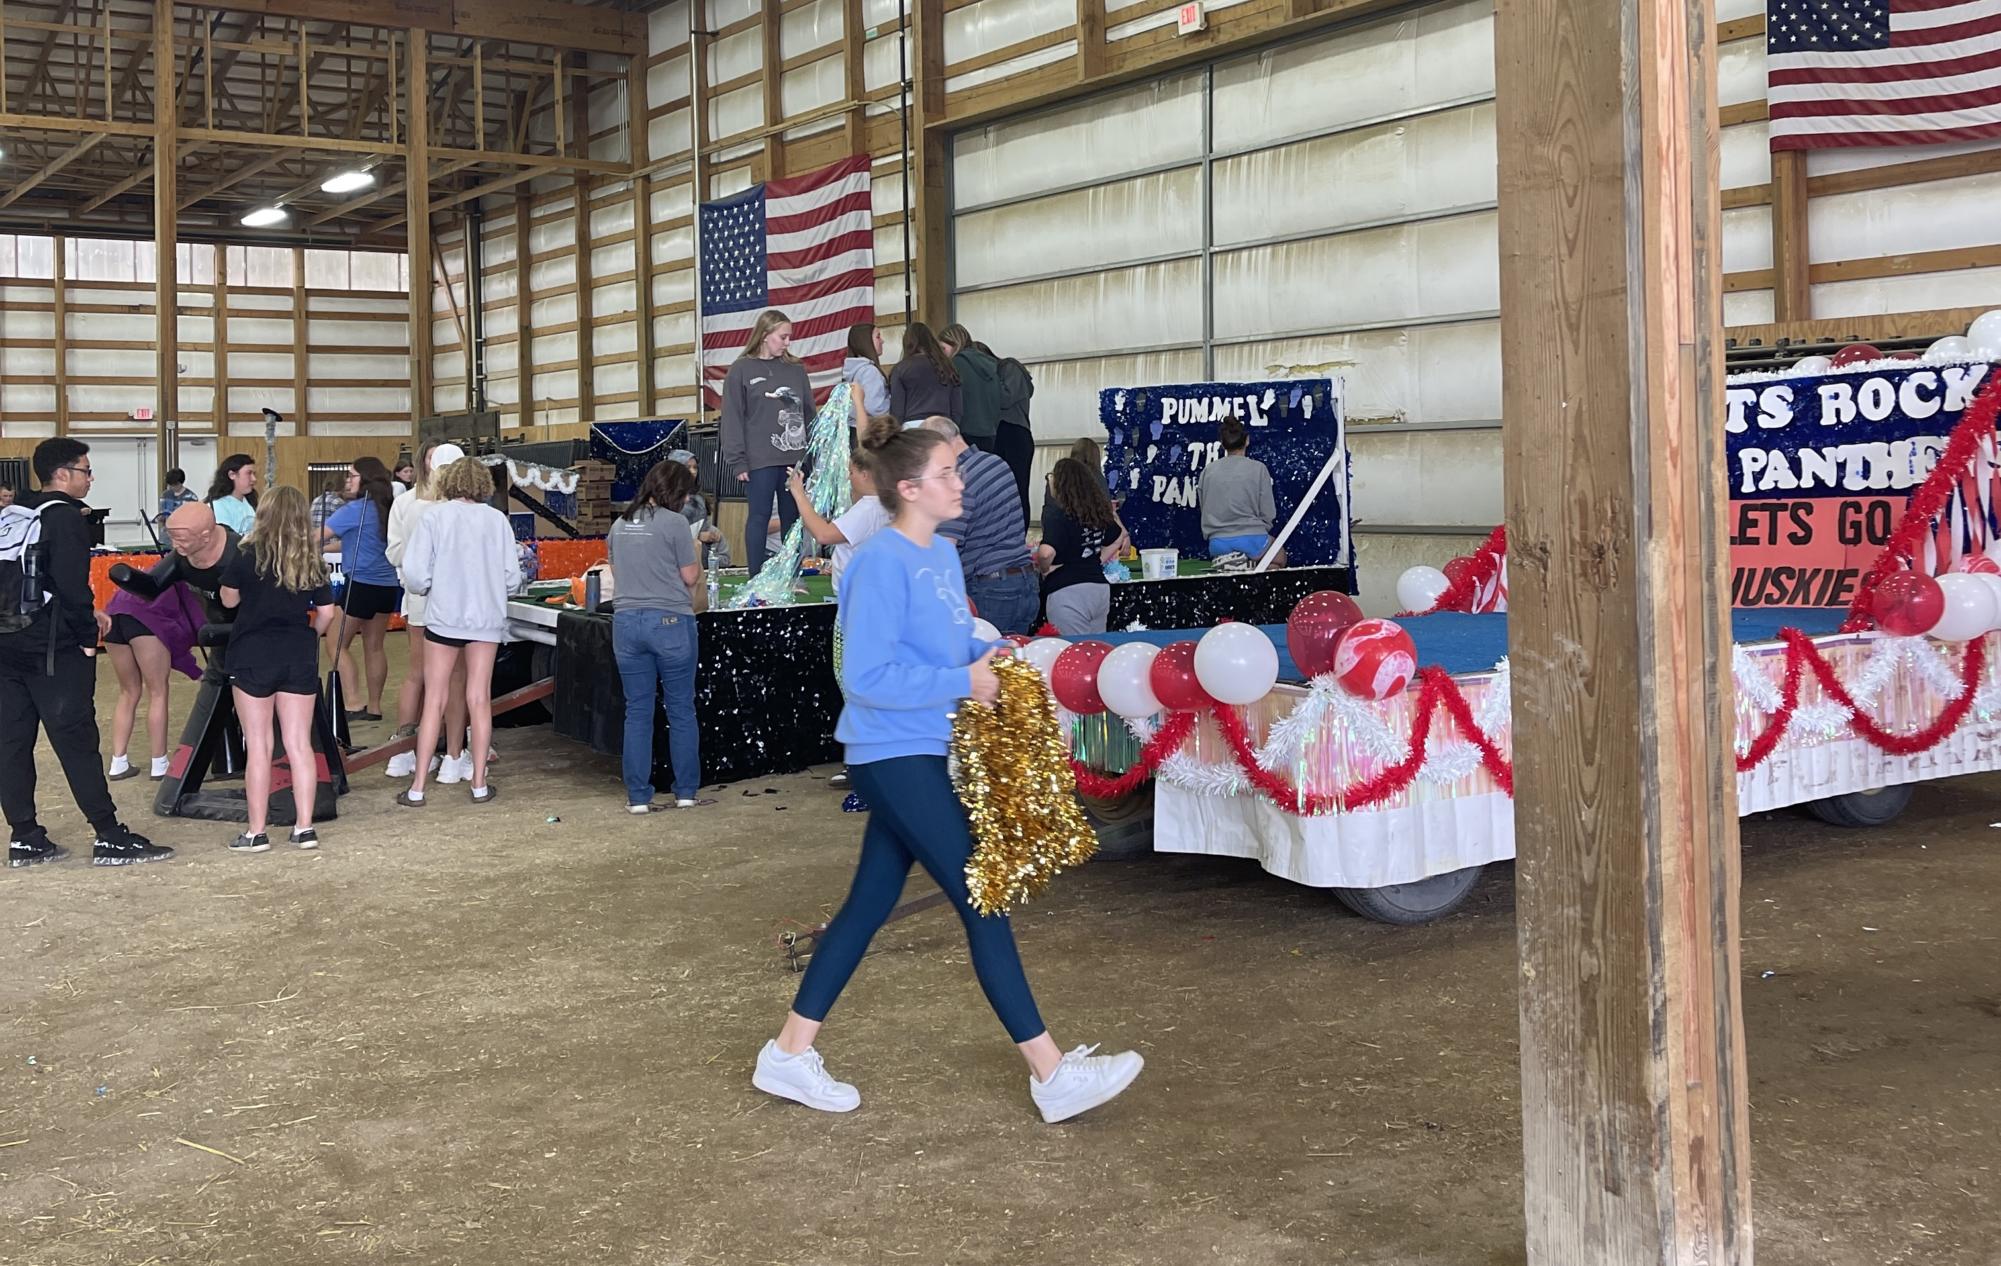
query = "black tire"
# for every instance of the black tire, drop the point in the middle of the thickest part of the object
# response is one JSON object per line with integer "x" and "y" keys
{"x": 1860, "y": 809}
{"x": 1410, "y": 904}
{"x": 1124, "y": 825}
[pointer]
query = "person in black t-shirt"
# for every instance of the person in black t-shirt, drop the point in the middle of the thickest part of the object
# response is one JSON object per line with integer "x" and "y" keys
{"x": 277, "y": 586}
{"x": 1080, "y": 534}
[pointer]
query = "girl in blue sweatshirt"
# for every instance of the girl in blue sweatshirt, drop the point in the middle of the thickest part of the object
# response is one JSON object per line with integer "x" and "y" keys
{"x": 910, "y": 659}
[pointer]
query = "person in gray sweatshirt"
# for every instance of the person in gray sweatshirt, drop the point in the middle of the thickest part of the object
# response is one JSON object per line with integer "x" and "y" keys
{"x": 767, "y": 410}
{"x": 863, "y": 367}
{"x": 462, "y": 557}
{"x": 1236, "y": 499}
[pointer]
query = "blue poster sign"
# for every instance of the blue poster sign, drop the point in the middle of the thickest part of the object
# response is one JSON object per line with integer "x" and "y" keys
{"x": 1158, "y": 439}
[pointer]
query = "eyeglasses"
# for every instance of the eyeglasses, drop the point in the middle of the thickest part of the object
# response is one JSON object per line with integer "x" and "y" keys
{"x": 85, "y": 471}
{"x": 951, "y": 474}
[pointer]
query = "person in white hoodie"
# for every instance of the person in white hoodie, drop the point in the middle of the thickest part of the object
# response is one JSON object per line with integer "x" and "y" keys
{"x": 403, "y": 515}
{"x": 863, "y": 367}
{"x": 462, "y": 558}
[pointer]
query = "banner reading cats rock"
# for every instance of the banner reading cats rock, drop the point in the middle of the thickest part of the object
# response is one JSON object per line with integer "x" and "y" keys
{"x": 1159, "y": 439}
{"x": 1819, "y": 469}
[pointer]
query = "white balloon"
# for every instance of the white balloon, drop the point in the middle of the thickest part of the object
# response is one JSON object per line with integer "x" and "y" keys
{"x": 1971, "y": 608}
{"x": 1985, "y": 335}
{"x": 984, "y": 630}
{"x": 1124, "y": 680}
{"x": 1418, "y": 588}
{"x": 1993, "y": 583}
{"x": 1813, "y": 365}
{"x": 1236, "y": 663}
{"x": 1950, "y": 348}
{"x": 1042, "y": 653}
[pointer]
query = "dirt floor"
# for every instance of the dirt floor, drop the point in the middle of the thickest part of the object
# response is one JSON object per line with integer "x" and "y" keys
{"x": 523, "y": 1035}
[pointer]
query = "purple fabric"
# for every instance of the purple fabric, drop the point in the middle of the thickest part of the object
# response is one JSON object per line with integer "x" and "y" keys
{"x": 171, "y": 617}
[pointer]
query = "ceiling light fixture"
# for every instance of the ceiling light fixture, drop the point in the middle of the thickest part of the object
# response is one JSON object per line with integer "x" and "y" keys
{"x": 347, "y": 181}
{"x": 264, "y": 217}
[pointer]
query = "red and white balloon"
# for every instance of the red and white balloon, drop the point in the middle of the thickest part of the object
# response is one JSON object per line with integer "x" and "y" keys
{"x": 1375, "y": 660}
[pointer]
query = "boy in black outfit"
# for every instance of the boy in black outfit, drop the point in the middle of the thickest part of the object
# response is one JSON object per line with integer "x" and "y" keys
{"x": 48, "y": 677}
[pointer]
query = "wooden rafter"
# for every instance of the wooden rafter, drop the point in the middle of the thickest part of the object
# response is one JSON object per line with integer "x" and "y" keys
{"x": 55, "y": 165}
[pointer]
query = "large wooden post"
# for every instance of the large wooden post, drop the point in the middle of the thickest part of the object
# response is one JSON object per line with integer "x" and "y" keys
{"x": 930, "y": 209}
{"x": 1635, "y": 1133}
{"x": 417, "y": 224}
{"x": 166, "y": 215}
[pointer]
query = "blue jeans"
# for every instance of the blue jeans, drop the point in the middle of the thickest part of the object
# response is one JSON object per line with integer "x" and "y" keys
{"x": 656, "y": 650}
{"x": 1009, "y": 603}
{"x": 1252, "y": 545}
{"x": 915, "y": 815}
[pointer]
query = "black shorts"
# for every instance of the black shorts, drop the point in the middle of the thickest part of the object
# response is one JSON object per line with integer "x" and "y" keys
{"x": 261, "y": 681}
{"x": 124, "y": 628}
{"x": 442, "y": 640}
{"x": 365, "y": 601}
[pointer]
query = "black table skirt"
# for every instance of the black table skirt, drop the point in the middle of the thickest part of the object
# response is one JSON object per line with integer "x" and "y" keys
{"x": 765, "y": 696}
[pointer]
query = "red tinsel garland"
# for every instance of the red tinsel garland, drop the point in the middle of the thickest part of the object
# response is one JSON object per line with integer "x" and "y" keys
{"x": 1276, "y": 787}
{"x": 1486, "y": 566}
{"x": 1802, "y": 655}
{"x": 1927, "y": 501}
{"x": 1162, "y": 745}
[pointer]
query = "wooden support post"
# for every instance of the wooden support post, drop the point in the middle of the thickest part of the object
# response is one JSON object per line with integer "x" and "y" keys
{"x": 305, "y": 77}
{"x": 1091, "y": 46}
{"x": 219, "y": 340}
{"x": 698, "y": 177}
{"x": 586, "y": 345}
{"x": 302, "y": 377}
{"x": 853, "y": 32}
{"x": 479, "y": 94}
{"x": 930, "y": 298}
{"x": 1792, "y": 291}
{"x": 166, "y": 214}
{"x": 1635, "y": 1133}
{"x": 524, "y": 309}
{"x": 417, "y": 224}
{"x": 772, "y": 22}
{"x": 61, "y": 306}
{"x": 639, "y": 143}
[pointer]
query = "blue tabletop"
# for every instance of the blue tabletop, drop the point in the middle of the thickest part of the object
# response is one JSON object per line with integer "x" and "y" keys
{"x": 1475, "y": 643}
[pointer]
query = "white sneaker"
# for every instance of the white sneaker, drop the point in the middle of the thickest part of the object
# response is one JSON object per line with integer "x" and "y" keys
{"x": 455, "y": 768}
{"x": 803, "y": 1078}
{"x": 1083, "y": 1081}
{"x": 402, "y": 765}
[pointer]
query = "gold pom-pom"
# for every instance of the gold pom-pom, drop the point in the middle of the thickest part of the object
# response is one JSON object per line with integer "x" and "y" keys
{"x": 1020, "y": 793}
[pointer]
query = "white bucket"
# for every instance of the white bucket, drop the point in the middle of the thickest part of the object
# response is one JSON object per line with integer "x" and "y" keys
{"x": 1159, "y": 564}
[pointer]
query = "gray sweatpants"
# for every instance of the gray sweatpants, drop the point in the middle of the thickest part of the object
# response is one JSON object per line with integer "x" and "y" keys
{"x": 1077, "y": 609}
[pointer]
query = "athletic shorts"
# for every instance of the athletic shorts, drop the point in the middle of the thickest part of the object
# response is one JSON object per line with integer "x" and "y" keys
{"x": 261, "y": 681}
{"x": 1252, "y": 545}
{"x": 124, "y": 628}
{"x": 365, "y": 601}
{"x": 442, "y": 640}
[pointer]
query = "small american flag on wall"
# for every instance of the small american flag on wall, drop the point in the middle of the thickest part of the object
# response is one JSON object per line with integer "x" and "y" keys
{"x": 1882, "y": 72}
{"x": 804, "y": 245}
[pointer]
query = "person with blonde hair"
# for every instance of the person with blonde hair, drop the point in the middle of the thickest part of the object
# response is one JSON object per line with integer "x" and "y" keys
{"x": 277, "y": 584}
{"x": 767, "y": 413}
{"x": 404, "y": 512}
{"x": 462, "y": 558}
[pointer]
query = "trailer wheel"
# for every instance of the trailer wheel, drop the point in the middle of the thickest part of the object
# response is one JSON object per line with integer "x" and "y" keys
{"x": 1430, "y": 898}
{"x": 1863, "y": 808}
{"x": 1124, "y": 824}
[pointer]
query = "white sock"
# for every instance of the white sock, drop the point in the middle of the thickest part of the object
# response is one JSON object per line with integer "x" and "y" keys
{"x": 119, "y": 765}
{"x": 160, "y": 766}
{"x": 415, "y": 797}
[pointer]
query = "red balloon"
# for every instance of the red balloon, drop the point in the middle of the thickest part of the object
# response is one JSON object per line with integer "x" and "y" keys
{"x": 1375, "y": 660}
{"x": 1313, "y": 628}
{"x": 1855, "y": 353}
{"x": 1907, "y": 603}
{"x": 1075, "y": 678}
{"x": 1174, "y": 681}
{"x": 1458, "y": 571}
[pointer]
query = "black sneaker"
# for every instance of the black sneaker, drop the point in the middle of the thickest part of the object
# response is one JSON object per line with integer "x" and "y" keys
{"x": 308, "y": 838}
{"x": 34, "y": 848}
{"x": 121, "y": 846}
{"x": 258, "y": 843}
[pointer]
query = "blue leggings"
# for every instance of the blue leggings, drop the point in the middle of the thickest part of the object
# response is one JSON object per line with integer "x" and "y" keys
{"x": 915, "y": 815}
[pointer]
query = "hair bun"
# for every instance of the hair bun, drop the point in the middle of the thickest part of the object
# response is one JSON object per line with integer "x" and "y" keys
{"x": 880, "y": 431}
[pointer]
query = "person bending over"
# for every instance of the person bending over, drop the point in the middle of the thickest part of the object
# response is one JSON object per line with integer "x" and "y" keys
{"x": 1080, "y": 534}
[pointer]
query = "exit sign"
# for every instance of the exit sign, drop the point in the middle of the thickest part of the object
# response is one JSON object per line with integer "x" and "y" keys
{"x": 1190, "y": 18}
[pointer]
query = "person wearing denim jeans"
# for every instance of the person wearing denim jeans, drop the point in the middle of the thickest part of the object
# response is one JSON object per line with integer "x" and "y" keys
{"x": 991, "y": 534}
{"x": 656, "y": 573}
{"x": 656, "y": 650}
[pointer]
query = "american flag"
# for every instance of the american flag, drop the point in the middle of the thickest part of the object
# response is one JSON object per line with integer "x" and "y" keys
{"x": 804, "y": 245}
{"x": 1882, "y": 72}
